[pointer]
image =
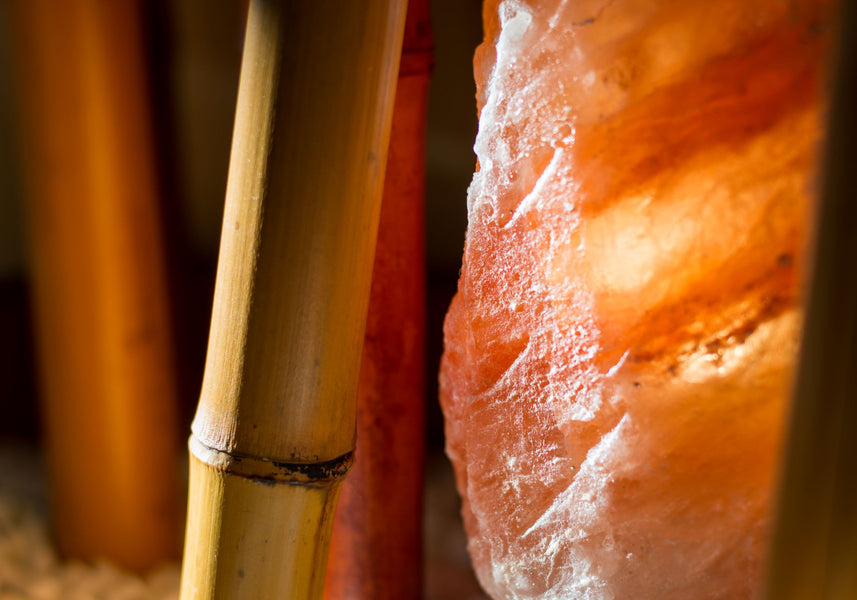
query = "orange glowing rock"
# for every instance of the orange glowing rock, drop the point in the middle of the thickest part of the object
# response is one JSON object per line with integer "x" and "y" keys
{"x": 620, "y": 350}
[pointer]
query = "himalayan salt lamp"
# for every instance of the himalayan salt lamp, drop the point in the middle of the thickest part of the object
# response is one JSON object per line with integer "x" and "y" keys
{"x": 619, "y": 353}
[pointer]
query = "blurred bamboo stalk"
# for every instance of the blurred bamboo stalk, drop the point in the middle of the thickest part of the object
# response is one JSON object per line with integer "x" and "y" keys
{"x": 274, "y": 432}
{"x": 376, "y": 545}
{"x": 814, "y": 554}
{"x": 99, "y": 282}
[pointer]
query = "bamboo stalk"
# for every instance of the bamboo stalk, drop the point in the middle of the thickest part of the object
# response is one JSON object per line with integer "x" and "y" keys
{"x": 376, "y": 546}
{"x": 107, "y": 384}
{"x": 814, "y": 554}
{"x": 274, "y": 432}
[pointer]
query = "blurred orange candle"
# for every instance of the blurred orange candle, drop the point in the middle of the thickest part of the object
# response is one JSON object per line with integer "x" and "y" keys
{"x": 99, "y": 280}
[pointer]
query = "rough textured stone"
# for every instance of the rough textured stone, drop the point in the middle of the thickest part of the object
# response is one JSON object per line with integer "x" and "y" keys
{"x": 620, "y": 349}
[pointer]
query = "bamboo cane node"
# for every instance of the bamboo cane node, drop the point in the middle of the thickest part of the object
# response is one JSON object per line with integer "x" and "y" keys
{"x": 270, "y": 472}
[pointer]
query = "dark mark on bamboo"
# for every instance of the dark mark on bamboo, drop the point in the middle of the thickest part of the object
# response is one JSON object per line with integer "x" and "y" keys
{"x": 270, "y": 472}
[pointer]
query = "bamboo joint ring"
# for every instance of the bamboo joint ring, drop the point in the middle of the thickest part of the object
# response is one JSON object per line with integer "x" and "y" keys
{"x": 272, "y": 472}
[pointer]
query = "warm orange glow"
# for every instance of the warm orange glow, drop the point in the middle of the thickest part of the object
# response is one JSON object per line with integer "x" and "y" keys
{"x": 619, "y": 354}
{"x": 107, "y": 381}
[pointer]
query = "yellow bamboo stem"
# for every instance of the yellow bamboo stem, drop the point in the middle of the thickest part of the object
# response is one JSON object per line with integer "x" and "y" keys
{"x": 274, "y": 432}
{"x": 814, "y": 554}
{"x": 99, "y": 283}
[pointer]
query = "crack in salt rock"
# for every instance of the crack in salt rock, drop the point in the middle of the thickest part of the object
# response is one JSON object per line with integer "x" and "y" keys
{"x": 551, "y": 549}
{"x": 536, "y": 194}
{"x": 595, "y": 459}
{"x": 611, "y": 372}
{"x": 526, "y": 344}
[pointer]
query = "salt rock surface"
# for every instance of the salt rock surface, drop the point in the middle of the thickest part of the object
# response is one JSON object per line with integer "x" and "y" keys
{"x": 619, "y": 353}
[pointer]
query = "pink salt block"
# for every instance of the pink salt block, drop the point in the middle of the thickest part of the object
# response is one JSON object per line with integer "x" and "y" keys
{"x": 619, "y": 354}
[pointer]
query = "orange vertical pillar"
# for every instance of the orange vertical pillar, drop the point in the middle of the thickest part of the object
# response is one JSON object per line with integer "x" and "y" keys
{"x": 98, "y": 280}
{"x": 376, "y": 547}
